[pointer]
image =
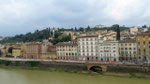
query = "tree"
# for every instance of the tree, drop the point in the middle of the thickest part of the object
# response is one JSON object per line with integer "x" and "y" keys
{"x": 88, "y": 28}
{"x": 57, "y": 34}
{"x": 75, "y": 29}
{"x": 0, "y": 53}
{"x": 117, "y": 28}
{"x": 10, "y": 50}
{"x": 81, "y": 29}
{"x": 144, "y": 26}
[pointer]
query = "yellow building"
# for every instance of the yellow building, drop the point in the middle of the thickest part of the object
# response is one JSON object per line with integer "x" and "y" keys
{"x": 48, "y": 52}
{"x": 15, "y": 50}
{"x": 49, "y": 55}
{"x": 73, "y": 36}
{"x": 67, "y": 50}
{"x": 143, "y": 46}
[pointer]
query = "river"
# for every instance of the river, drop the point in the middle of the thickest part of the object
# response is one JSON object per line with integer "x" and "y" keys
{"x": 24, "y": 76}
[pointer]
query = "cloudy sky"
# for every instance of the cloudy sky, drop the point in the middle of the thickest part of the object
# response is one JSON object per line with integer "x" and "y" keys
{"x": 21, "y": 16}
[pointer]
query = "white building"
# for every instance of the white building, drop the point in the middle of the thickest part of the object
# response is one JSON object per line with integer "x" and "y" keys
{"x": 108, "y": 51}
{"x": 100, "y": 26}
{"x": 140, "y": 30}
{"x": 87, "y": 47}
{"x": 93, "y": 48}
{"x": 133, "y": 30}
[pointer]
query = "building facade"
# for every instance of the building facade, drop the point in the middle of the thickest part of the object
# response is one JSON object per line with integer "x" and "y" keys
{"x": 108, "y": 51}
{"x": 18, "y": 48}
{"x": 32, "y": 51}
{"x": 133, "y": 30}
{"x": 16, "y": 52}
{"x": 67, "y": 50}
{"x": 128, "y": 50}
{"x": 143, "y": 46}
{"x": 50, "y": 53}
{"x": 87, "y": 47}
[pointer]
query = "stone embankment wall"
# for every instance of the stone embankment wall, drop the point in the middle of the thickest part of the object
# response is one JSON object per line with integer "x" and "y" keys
{"x": 129, "y": 69}
{"x": 76, "y": 66}
{"x": 54, "y": 65}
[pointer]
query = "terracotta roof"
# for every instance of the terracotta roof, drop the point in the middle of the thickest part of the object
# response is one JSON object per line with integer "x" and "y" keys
{"x": 128, "y": 41}
{"x": 51, "y": 48}
{"x": 87, "y": 36}
{"x": 144, "y": 34}
{"x": 66, "y": 44}
{"x": 33, "y": 44}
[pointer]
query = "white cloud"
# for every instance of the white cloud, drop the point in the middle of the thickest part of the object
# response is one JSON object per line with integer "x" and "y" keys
{"x": 146, "y": 14}
{"x": 13, "y": 10}
{"x": 122, "y": 9}
{"x": 27, "y": 15}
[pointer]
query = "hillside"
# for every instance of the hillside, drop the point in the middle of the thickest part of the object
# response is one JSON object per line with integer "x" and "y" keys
{"x": 46, "y": 33}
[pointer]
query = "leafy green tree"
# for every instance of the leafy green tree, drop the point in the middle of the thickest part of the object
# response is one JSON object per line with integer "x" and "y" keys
{"x": 57, "y": 34}
{"x": 88, "y": 28}
{"x": 144, "y": 26}
{"x": 75, "y": 29}
{"x": 81, "y": 29}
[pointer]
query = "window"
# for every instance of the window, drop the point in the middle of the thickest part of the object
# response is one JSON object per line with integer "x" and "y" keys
{"x": 96, "y": 58}
{"x": 139, "y": 43}
{"x": 144, "y": 50}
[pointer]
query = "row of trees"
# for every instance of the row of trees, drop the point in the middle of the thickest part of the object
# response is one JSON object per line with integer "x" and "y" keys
{"x": 29, "y": 37}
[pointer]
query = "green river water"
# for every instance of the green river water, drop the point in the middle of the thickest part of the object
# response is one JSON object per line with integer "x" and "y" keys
{"x": 24, "y": 76}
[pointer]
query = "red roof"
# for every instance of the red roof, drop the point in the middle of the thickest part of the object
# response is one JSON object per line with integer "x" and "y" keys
{"x": 51, "y": 48}
{"x": 128, "y": 41}
{"x": 66, "y": 44}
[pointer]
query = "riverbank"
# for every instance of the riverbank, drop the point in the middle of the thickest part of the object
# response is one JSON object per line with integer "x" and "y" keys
{"x": 116, "y": 71}
{"x": 85, "y": 72}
